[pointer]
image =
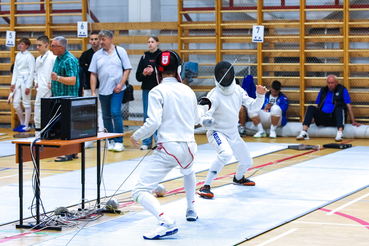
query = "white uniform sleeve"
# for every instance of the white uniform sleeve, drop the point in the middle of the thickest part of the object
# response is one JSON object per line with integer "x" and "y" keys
{"x": 31, "y": 67}
{"x": 15, "y": 71}
{"x": 253, "y": 104}
{"x": 36, "y": 72}
{"x": 52, "y": 60}
{"x": 93, "y": 65}
{"x": 154, "y": 113}
{"x": 199, "y": 111}
{"x": 126, "y": 62}
{"x": 214, "y": 105}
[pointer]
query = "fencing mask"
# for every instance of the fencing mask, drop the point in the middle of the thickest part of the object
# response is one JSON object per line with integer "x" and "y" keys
{"x": 225, "y": 77}
{"x": 168, "y": 61}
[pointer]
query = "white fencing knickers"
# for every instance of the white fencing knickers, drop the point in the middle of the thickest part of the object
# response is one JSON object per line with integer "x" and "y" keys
{"x": 20, "y": 94}
{"x": 226, "y": 147}
{"x": 265, "y": 117}
{"x": 167, "y": 156}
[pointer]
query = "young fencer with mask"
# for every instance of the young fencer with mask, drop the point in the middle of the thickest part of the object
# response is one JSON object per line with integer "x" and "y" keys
{"x": 173, "y": 112}
{"x": 226, "y": 100}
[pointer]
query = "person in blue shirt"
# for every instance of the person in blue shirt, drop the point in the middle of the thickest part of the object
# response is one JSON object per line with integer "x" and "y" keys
{"x": 333, "y": 102}
{"x": 273, "y": 112}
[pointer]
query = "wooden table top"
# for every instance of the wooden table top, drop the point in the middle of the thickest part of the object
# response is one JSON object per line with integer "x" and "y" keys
{"x": 59, "y": 142}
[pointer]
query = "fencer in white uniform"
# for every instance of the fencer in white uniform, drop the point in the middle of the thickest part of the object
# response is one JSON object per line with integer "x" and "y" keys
{"x": 44, "y": 67}
{"x": 173, "y": 112}
{"x": 226, "y": 100}
{"x": 22, "y": 82}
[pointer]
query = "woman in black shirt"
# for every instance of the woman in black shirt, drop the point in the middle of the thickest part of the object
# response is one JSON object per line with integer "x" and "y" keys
{"x": 146, "y": 74}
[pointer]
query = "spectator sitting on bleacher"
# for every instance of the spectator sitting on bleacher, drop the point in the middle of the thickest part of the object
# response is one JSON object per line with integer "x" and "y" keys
{"x": 333, "y": 102}
{"x": 273, "y": 112}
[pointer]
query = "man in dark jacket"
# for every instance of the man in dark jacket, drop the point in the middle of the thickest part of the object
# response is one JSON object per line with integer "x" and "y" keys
{"x": 273, "y": 112}
{"x": 333, "y": 102}
{"x": 84, "y": 63}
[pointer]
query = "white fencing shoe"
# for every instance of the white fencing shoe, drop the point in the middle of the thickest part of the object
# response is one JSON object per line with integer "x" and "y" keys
{"x": 303, "y": 136}
{"x": 145, "y": 147}
{"x": 339, "y": 136}
{"x": 191, "y": 214}
{"x": 260, "y": 134}
{"x": 242, "y": 131}
{"x": 164, "y": 229}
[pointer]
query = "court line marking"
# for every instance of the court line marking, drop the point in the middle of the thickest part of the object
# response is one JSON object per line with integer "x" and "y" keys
{"x": 362, "y": 222}
{"x": 17, "y": 175}
{"x": 278, "y": 237}
{"x": 321, "y": 223}
{"x": 13, "y": 175}
{"x": 347, "y": 204}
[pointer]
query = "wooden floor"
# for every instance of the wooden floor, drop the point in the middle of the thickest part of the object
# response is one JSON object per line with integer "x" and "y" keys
{"x": 349, "y": 227}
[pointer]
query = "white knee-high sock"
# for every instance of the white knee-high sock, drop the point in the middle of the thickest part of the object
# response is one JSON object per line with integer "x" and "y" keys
{"x": 20, "y": 115}
{"x": 260, "y": 127}
{"x": 151, "y": 204}
{"x": 28, "y": 116}
{"x": 189, "y": 182}
{"x": 213, "y": 172}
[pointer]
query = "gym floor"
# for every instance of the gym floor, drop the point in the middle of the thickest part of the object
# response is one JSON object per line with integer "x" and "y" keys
{"x": 349, "y": 226}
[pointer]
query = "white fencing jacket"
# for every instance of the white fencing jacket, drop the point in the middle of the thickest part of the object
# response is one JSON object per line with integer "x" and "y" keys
{"x": 24, "y": 68}
{"x": 225, "y": 108}
{"x": 173, "y": 111}
{"x": 44, "y": 67}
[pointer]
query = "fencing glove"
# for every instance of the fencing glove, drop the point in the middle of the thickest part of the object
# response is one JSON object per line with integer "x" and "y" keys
{"x": 207, "y": 122}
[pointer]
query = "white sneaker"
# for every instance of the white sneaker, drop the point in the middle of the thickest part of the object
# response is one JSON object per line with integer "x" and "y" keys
{"x": 339, "y": 136}
{"x": 144, "y": 147}
{"x": 242, "y": 131}
{"x": 118, "y": 147}
{"x": 272, "y": 134}
{"x": 164, "y": 229}
{"x": 260, "y": 134}
{"x": 303, "y": 136}
{"x": 24, "y": 129}
{"x": 89, "y": 145}
{"x": 191, "y": 214}
{"x": 111, "y": 145}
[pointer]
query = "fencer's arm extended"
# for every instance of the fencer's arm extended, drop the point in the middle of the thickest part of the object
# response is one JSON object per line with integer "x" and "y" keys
{"x": 31, "y": 67}
{"x": 200, "y": 111}
{"x": 154, "y": 113}
{"x": 253, "y": 104}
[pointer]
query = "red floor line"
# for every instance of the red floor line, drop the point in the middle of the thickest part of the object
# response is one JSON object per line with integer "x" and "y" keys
{"x": 360, "y": 221}
{"x": 6, "y": 239}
